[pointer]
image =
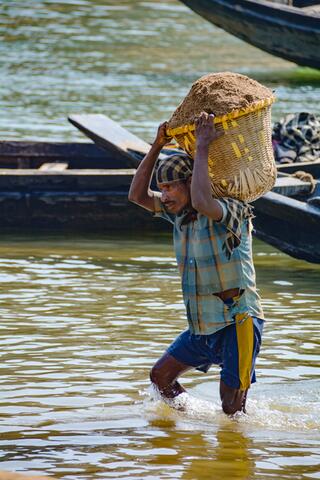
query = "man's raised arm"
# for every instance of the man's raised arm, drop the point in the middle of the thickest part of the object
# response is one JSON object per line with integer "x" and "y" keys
{"x": 140, "y": 191}
{"x": 201, "y": 192}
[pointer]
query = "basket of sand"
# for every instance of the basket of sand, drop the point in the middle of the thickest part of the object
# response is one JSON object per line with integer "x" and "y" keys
{"x": 241, "y": 162}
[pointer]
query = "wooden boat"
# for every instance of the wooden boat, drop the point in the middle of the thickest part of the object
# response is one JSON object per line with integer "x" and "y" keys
{"x": 289, "y": 219}
{"x": 73, "y": 186}
{"x": 84, "y": 187}
{"x": 67, "y": 186}
{"x": 291, "y": 32}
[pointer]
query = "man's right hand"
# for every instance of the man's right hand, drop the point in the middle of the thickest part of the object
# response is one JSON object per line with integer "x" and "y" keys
{"x": 140, "y": 191}
{"x": 161, "y": 138}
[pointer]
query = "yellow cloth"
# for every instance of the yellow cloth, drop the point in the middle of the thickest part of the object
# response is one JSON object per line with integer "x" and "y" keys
{"x": 245, "y": 332}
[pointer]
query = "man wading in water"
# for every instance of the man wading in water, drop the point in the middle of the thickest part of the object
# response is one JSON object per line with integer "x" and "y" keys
{"x": 212, "y": 240}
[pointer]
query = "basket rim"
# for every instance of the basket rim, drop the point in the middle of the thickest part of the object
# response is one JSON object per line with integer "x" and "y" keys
{"x": 254, "y": 107}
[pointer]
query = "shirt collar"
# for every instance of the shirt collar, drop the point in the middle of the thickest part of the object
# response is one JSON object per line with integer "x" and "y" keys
{"x": 187, "y": 216}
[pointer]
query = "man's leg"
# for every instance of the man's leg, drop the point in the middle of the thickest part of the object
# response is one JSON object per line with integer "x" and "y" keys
{"x": 233, "y": 399}
{"x": 164, "y": 375}
{"x": 241, "y": 346}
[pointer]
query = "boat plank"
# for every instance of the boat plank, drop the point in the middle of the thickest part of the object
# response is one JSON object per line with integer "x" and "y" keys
{"x": 67, "y": 180}
{"x": 74, "y": 172}
{"x": 291, "y": 186}
{"x": 15, "y": 154}
{"x": 308, "y": 167}
{"x": 110, "y": 135}
{"x": 56, "y": 166}
{"x": 93, "y": 211}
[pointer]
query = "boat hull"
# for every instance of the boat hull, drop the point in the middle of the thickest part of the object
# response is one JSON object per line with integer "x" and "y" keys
{"x": 96, "y": 200}
{"x": 289, "y": 225}
{"x": 76, "y": 211}
{"x": 286, "y": 32}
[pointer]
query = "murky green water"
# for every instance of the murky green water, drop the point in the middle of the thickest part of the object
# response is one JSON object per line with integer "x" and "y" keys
{"x": 84, "y": 319}
{"x": 134, "y": 60}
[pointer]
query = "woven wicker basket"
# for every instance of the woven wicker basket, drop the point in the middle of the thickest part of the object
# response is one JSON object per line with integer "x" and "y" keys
{"x": 241, "y": 162}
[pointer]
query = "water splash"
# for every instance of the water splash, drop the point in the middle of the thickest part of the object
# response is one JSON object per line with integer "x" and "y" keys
{"x": 284, "y": 409}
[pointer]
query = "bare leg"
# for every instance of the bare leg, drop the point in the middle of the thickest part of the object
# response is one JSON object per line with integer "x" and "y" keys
{"x": 233, "y": 400}
{"x": 164, "y": 376}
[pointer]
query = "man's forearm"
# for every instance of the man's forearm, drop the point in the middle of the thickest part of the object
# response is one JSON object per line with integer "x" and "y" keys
{"x": 139, "y": 189}
{"x": 201, "y": 190}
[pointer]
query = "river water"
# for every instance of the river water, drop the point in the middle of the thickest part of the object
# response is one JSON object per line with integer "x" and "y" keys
{"x": 85, "y": 317}
{"x": 133, "y": 60}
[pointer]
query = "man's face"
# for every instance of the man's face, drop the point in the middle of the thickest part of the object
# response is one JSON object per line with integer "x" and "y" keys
{"x": 176, "y": 195}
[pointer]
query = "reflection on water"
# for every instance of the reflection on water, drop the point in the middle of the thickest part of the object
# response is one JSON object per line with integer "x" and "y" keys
{"x": 83, "y": 320}
{"x": 131, "y": 59}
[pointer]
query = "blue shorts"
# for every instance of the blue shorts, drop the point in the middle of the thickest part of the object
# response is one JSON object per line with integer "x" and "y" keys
{"x": 234, "y": 348}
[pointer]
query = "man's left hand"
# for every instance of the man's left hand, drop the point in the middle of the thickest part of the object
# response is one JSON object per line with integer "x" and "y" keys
{"x": 205, "y": 129}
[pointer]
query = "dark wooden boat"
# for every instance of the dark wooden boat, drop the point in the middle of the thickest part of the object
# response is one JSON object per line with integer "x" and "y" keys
{"x": 67, "y": 186}
{"x": 83, "y": 187}
{"x": 290, "y": 32}
{"x": 290, "y": 219}
{"x": 74, "y": 186}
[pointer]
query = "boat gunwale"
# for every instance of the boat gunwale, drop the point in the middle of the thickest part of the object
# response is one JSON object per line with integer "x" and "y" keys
{"x": 253, "y": 8}
{"x": 68, "y": 172}
{"x": 252, "y": 21}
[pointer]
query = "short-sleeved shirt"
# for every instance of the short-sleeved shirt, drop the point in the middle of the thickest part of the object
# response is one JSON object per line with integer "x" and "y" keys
{"x": 207, "y": 268}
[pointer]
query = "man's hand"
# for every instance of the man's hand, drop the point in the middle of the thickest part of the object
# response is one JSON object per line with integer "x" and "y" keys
{"x": 140, "y": 191}
{"x": 205, "y": 129}
{"x": 162, "y": 139}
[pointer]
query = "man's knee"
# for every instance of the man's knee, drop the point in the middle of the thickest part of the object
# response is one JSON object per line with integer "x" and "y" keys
{"x": 159, "y": 376}
{"x": 155, "y": 375}
{"x": 166, "y": 371}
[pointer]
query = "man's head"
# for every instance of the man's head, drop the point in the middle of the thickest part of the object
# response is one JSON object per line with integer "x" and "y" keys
{"x": 173, "y": 175}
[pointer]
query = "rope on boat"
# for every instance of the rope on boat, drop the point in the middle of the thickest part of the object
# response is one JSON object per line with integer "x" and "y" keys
{"x": 306, "y": 177}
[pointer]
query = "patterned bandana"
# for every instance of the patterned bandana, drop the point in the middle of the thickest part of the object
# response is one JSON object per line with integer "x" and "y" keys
{"x": 173, "y": 168}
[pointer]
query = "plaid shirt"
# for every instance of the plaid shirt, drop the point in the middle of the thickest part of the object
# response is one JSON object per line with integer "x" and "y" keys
{"x": 213, "y": 257}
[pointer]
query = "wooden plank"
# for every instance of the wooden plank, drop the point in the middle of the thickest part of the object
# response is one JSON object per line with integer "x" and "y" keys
{"x": 314, "y": 10}
{"x": 308, "y": 167}
{"x": 76, "y": 211}
{"x": 111, "y": 136}
{"x": 290, "y": 186}
{"x": 17, "y": 172}
{"x": 79, "y": 155}
{"x": 57, "y": 167}
{"x": 10, "y": 148}
{"x": 21, "y": 180}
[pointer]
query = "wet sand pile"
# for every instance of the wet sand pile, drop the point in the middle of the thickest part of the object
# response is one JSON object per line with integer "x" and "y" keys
{"x": 218, "y": 93}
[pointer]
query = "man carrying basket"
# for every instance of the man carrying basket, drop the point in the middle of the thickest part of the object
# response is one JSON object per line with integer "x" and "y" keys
{"x": 212, "y": 240}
